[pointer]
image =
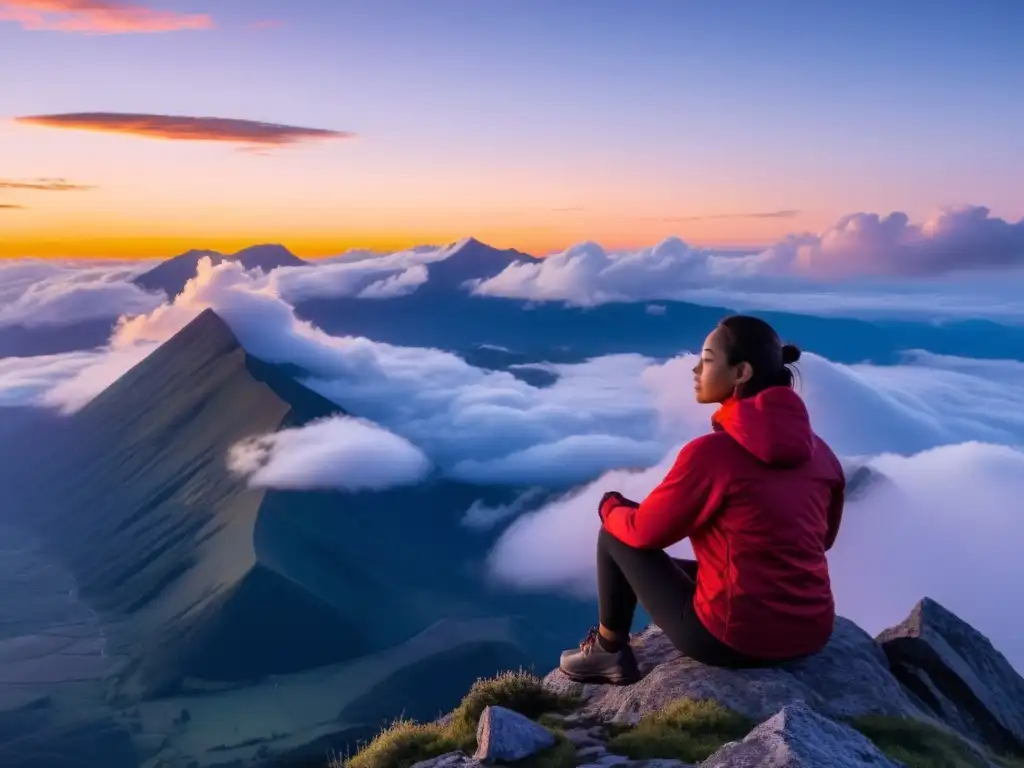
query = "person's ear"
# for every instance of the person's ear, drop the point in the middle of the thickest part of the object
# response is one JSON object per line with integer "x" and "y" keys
{"x": 744, "y": 373}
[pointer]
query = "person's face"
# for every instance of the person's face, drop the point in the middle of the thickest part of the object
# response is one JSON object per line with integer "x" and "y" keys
{"x": 714, "y": 380}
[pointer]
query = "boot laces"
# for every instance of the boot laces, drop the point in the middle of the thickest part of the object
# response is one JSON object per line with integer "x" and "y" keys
{"x": 587, "y": 645}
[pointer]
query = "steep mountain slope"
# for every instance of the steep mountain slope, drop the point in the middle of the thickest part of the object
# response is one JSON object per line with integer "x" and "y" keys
{"x": 141, "y": 508}
{"x": 336, "y": 611}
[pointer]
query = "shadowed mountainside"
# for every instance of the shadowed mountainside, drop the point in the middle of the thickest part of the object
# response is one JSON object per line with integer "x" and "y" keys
{"x": 332, "y": 611}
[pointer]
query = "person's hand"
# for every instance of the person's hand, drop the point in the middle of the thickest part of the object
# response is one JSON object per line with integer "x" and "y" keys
{"x": 618, "y": 497}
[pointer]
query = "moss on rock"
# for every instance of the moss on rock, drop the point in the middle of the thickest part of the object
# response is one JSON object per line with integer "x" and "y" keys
{"x": 687, "y": 730}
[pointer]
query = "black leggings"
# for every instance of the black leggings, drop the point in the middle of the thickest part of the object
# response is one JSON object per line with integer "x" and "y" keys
{"x": 665, "y": 587}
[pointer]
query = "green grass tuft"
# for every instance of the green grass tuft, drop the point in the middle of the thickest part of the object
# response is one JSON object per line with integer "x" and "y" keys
{"x": 401, "y": 744}
{"x": 405, "y": 742}
{"x": 519, "y": 691}
{"x": 687, "y": 730}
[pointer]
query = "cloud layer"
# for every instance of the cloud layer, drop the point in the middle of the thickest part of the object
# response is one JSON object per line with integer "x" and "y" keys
{"x": 948, "y": 432}
{"x": 359, "y": 274}
{"x": 36, "y": 292}
{"x": 97, "y": 17}
{"x": 337, "y": 453}
{"x": 182, "y": 128}
{"x": 475, "y": 425}
{"x": 859, "y": 245}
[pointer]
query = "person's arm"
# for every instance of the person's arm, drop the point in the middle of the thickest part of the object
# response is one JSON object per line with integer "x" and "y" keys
{"x": 688, "y": 496}
{"x": 835, "y": 513}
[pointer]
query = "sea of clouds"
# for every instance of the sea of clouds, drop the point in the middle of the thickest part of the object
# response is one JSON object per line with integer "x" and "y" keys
{"x": 947, "y": 431}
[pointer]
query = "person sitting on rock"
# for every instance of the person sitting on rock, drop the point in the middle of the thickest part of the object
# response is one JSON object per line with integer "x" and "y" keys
{"x": 761, "y": 499}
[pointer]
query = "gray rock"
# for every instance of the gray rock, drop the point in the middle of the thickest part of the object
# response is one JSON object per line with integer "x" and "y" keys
{"x": 582, "y": 737}
{"x": 509, "y": 736}
{"x": 849, "y": 677}
{"x": 595, "y": 752}
{"x": 660, "y": 763}
{"x": 958, "y": 674}
{"x": 798, "y": 737}
{"x": 449, "y": 760}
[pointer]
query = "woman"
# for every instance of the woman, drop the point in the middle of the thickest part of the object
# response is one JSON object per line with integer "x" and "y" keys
{"x": 760, "y": 497}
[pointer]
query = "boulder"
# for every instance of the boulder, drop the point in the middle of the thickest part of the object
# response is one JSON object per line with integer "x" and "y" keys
{"x": 958, "y": 675}
{"x": 849, "y": 677}
{"x": 798, "y": 737}
{"x": 506, "y": 736}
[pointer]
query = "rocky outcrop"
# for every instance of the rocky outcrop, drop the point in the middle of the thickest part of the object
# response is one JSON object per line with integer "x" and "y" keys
{"x": 959, "y": 677}
{"x": 508, "y": 736}
{"x": 849, "y": 678}
{"x": 949, "y": 698}
{"x": 798, "y": 737}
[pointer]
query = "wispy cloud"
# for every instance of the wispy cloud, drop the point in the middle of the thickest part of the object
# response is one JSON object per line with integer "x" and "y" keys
{"x": 43, "y": 185}
{"x": 784, "y": 214}
{"x": 183, "y": 128}
{"x": 11, "y": 207}
{"x": 267, "y": 24}
{"x": 105, "y": 17}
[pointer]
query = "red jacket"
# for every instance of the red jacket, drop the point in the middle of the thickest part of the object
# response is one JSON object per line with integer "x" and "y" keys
{"x": 761, "y": 499}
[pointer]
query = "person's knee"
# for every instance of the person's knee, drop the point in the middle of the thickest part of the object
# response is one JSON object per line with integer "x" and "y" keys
{"x": 606, "y": 542}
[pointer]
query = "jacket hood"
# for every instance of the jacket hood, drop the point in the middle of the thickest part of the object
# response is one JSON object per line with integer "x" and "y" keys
{"x": 773, "y": 425}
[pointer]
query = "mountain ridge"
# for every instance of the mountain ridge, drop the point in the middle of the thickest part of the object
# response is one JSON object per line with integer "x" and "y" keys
{"x": 171, "y": 275}
{"x": 205, "y": 587}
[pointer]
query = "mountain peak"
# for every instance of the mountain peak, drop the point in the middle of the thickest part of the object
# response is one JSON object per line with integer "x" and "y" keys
{"x": 171, "y": 275}
{"x": 267, "y": 256}
{"x": 477, "y": 249}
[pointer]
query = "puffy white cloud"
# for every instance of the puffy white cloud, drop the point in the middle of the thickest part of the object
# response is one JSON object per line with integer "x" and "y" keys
{"x": 68, "y": 381}
{"x": 34, "y": 292}
{"x": 398, "y": 284}
{"x": 860, "y": 266}
{"x": 335, "y": 453}
{"x": 362, "y": 274}
{"x": 865, "y": 243}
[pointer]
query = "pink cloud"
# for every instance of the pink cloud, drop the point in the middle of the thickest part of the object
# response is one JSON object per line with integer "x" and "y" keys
{"x": 956, "y": 239}
{"x": 97, "y": 17}
{"x": 184, "y": 128}
{"x": 267, "y": 24}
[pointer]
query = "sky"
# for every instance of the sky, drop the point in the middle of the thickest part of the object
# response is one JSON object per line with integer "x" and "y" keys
{"x": 329, "y": 124}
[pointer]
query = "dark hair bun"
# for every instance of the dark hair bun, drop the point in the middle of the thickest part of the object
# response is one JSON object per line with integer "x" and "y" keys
{"x": 790, "y": 353}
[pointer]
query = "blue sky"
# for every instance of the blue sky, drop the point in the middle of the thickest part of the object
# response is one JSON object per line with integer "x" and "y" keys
{"x": 679, "y": 109}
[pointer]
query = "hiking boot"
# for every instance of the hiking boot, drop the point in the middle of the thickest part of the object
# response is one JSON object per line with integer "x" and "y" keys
{"x": 590, "y": 663}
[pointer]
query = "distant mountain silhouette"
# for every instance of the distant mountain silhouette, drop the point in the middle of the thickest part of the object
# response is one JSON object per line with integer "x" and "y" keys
{"x": 469, "y": 259}
{"x": 449, "y": 317}
{"x": 170, "y": 276}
